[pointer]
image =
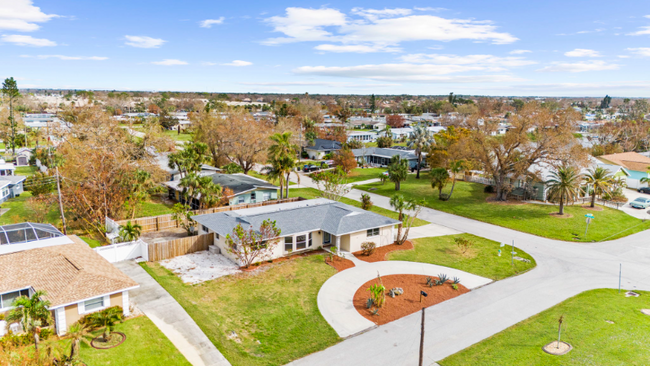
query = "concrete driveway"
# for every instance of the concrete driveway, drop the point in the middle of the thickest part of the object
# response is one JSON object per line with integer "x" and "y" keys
{"x": 631, "y": 195}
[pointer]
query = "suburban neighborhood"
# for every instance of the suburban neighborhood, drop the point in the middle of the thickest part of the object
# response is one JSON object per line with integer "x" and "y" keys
{"x": 426, "y": 195}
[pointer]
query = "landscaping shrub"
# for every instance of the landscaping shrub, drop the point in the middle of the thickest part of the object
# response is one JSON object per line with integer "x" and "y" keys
{"x": 488, "y": 189}
{"x": 368, "y": 248}
{"x": 366, "y": 203}
{"x": 463, "y": 243}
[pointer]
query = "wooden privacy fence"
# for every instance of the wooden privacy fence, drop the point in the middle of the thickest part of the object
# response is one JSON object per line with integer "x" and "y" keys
{"x": 178, "y": 247}
{"x": 164, "y": 222}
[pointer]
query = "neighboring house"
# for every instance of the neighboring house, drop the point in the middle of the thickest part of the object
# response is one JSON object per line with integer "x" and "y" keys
{"x": 11, "y": 186}
{"x": 77, "y": 280}
{"x": 399, "y": 133}
{"x": 304, "y": 225}
{"x": 22, "y": 156}
{"x": 363, "y": 136}
{"x": 246, "y": 189}
{"x": 377, "y": 156}
{"x": 6, "y": 168}
{"x": 635, "y": 164}
{"x": 41, "y": 120}
{"x": 322, "y": 147}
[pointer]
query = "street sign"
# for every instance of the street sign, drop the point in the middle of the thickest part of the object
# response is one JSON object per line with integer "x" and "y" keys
{"x": 589, "y": 216}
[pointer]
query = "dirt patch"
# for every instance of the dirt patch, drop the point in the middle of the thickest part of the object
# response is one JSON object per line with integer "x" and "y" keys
{"x": 380, "y": 253}
{"x": 164, "y": 235}
{"x": 557, "y": 348}
{"x": 116, "y": 338}
{"x": 565, "y": 216}
{"x": 258, "y": 265}
{"x": 492, "y": 199}
{"x": 340, "y": 264}
{"x": 408, "y": 302}
{"x": 593, "y": 208}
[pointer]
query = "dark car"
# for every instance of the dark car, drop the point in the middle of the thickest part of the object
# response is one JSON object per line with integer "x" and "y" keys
{"x": 310, "y": 168}
{"x": 644, "y": 190}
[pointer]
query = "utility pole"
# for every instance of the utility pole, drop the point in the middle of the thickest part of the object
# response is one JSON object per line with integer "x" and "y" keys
{"x": 422, "y": 340}
{"x": 58, "y": 182}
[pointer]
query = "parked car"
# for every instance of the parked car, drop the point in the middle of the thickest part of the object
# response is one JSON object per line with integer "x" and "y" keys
{"x": 310, "y": 168}
{"x": 640, "y": 202}
{"x": 644, "y": 190}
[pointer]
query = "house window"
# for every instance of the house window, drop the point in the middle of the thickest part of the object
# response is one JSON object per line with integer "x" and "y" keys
{"x": 266, "y": 196}
{"x": 241, "y": 199}
{"x": 288, "y": 243}
{"x": 372, "y": 232}
{"x": 205, "y": 229}
{"x": 7, "y": 300}
{"x": 94, "y": 304}
{"x": 310, "y": 240}
{"x": 253, "y": 197}
{"x": 216, "y": 235}
{"x": 327, "y": 238}
{"x": 301, "y": 242}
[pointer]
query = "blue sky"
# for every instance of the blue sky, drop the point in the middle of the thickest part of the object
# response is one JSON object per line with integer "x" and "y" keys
{"x": 554, "y": 48}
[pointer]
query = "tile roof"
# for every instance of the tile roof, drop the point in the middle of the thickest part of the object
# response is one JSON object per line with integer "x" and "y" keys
{"x": 295, "y": 217}
{"x": 67, "y": 273}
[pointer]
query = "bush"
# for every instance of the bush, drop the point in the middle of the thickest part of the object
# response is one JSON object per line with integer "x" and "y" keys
{"x": 366, "y": 203}
{"x": 463, "y": 244}
{"x": 232, "y": 168}
{"x": 354, "y": 144}
{"x": 384, "y": 142}
{"x": 488, "y": 189}
{"x": 368, "y": 248}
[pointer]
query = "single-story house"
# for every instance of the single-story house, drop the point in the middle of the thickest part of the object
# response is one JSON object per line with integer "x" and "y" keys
{"x": 399, "y": 133}
{"x": 304, "y": 225}
{"x": 377, "y": 156}
{"x": 11, "y": 186}
{"x": 322, "y": 147}
{"x": 6, "y": 168}
{"x": 363, "y": 136}
{"x": 246, "y": 189}
{"x": 636, "y": 165}
{"x": 77, "y": 281}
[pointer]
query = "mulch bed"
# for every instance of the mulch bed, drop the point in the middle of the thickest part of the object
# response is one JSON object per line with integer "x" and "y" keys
{"x": 564, "y": 216}
{"x": 117, "y": 338}
{"x": 381, "y": 252}
{"x": 340, "y": 264}
{"x": 407, "y": 303}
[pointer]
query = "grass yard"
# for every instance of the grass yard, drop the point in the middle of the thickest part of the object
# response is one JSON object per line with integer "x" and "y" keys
{"x": 310, "y": 193}
{"x": 26, "y": 170}
{"x": 480, "y": 259}
{"x": 178, "y": 137}
{"x": 92, "y": 242}
{"x": 19, "y": 212}
{"x": 585, "y": 327}
{"x": 273, "y": 313}
{"x": 469, "y": 200}
{"x": 145, "y": 345}
{"x": 359, "y": 175}
{"x": 154, "y": 207}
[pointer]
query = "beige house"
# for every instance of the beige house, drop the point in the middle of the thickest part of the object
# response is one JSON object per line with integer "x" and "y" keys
{"x": 76, "y": 279}
{"x": 304, "y": 225}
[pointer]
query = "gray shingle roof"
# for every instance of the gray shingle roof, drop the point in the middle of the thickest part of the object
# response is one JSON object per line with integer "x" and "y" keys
{"x": 324, "y": 145}
{"x": 386, "y": 153}
{"x": 296, "y": 217}
{"x": 240, "y": 182}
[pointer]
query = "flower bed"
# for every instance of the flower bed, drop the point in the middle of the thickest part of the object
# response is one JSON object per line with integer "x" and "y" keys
{"x": 381, "y": 252}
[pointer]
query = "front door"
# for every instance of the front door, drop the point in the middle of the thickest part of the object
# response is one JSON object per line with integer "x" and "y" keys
{"x": 327, "y": 238}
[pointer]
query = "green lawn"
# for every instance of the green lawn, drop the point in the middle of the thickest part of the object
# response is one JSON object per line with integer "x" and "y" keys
{"x": 154, "y": 207}
{"x": 178, "y": 137}
{"x": 359, "y": 174}
{"x": 310, "y": 193}
{"x": 469, "y": 200}
{"x": 19, "y": 212}
{"x": 273, "y": 313}
{"x": 585, "y": 327}
{"x": 92, "y": 242}
{"x": 26, "y": 170}
{"x": 145, "y": 345}
{"x": 481, "y": 259}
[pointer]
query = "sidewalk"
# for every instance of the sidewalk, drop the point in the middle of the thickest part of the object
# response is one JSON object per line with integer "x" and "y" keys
{"x": 170, "y": 317}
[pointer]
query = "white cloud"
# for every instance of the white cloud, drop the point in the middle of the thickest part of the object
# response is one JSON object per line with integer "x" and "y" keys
{"x": 238, "y": 63}
{"x": 356, "y": 48}
{"x": 641, "y": 51}
{"x": 641, "y": 32}
{"x": 143, "y": 41}
{"x": 647, "y": 16}
{"x": 320, "y": 83}
{"x": 581, "y": 66}
{"x": 377, "y": 28}
{"x": 68, "y": 58}
{"x": 623, "y": 56}
{"x": 20, "y": 40}
{"x": 519, "y": 52}
{"x": 582, "y": 52}
{"x": 487, "y": 62}
{"x": 22, "y": 16}
{"x": 169, "y": 62}
{"x": 208, "y": 23}
{"x": 205, "y": 63}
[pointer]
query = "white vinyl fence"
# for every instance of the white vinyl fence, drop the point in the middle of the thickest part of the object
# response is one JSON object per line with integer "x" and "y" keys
{"x": 635, "y": 183}
{"x": 124, "y": 251}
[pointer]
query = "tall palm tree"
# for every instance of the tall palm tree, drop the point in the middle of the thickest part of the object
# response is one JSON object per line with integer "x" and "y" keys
{"x": 190, "y": 183}
{"x": 274, "y": 174}
{"x": 107, "y": 319}
{"x": 210, "y": 192}
{"x": 600, "y": 180}
{"x": 32, "y": 313}
{"x": 130, "y": 232}
{"x": 563, "y": 185}
{"x": 456, "y": 167}
{"x": 282, "y": 157}
{"x": 421, "y": 139}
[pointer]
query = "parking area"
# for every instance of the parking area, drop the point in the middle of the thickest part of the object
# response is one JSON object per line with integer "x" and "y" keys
{"x": 631, "y": 195}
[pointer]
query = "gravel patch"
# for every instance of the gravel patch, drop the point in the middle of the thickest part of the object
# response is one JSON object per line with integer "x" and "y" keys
{"x": 200, "y": 267}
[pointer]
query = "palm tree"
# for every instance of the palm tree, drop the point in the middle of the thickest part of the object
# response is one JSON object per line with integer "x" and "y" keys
{"x": 399, "y": 204}
{"x": 282, "y": 146}
{"x": 439, "y": 179}
{"x": 398, "y": 170}
{"x": 274, "y": 174}
{"x": 144, "y": 183}
{"x": 600, "y": 180}
{"x": 210, "y": 192}
{"x": 32, "y": 313}
{"x": 282, "y": 157}
{"x": 456, "y": 167}
{"x": 563, "y": 185}
{"x": 106, "y": 319}
{"x": 76, "y": 332}
{"x": 130, "y": 232}
{"x": 646, "y": 179}
{"x": 191, "y": 183}
{"x": 421, "y": 139}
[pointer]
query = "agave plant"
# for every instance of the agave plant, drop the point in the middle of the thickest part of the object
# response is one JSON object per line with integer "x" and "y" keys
{"x": 456, "y": 281}
{"x": 442, "y": 279}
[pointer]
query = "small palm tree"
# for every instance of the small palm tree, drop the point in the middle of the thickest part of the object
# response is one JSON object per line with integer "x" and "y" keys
{"x": 76, "y": 333}
{"x": 563, "y": 186}
{"x": 130, "y": 232}
{"x": 190, "y": 183}
{"x": 600, "y": 180}
{"x": 32, "y": 313}
{"x": 398, "y": 170}
{"x": 401, "y": 205}
{"x": 210, "y": 192}
{"x": 107, "y": 319}
{"x": 456, "y": 167}
{"x": 421, "y": 139}
{"x": 439, "y": 179}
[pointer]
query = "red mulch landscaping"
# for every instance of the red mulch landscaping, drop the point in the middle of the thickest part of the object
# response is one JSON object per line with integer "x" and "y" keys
{"x": 407, "y": 303}
{"x": 380, "y": 253}
{"x": 340, "y": 264}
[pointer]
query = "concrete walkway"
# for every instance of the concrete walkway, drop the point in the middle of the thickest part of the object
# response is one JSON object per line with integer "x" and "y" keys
{"x": 336, "y": 294}
{"x": 170, "y": 317}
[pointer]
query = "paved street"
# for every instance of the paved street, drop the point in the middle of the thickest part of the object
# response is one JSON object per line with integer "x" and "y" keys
{"x": 564, "y": 269}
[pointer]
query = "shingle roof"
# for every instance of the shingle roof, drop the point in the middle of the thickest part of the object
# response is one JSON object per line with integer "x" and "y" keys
{"x": 240, "y": 182}
{"x": 629, "y": 160}
{"x": 383, "y": 152}
{"x": 67, "y": 273}
{"x": 295, "y": 217}
{"x": 325, "y": 145}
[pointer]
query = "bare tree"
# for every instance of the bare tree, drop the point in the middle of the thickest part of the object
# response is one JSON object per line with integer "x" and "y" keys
{"x": 249, "y": 245}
